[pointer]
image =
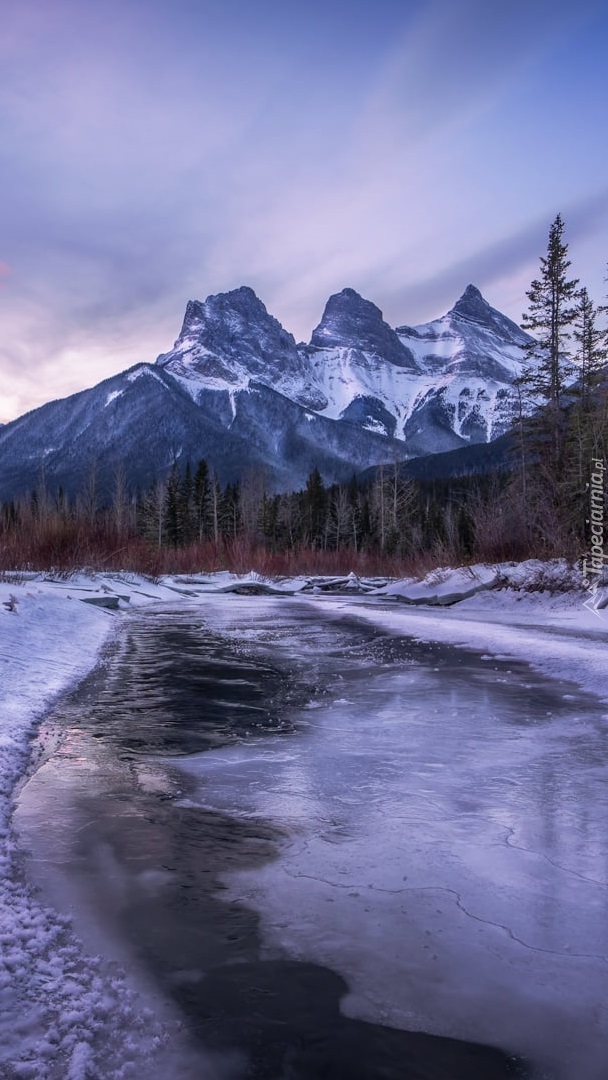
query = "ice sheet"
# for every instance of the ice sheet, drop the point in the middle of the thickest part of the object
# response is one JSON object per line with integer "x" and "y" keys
{"x": 447, "y": 850}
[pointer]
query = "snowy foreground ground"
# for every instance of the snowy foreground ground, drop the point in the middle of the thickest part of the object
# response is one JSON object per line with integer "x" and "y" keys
{"x": 54, "y": 999}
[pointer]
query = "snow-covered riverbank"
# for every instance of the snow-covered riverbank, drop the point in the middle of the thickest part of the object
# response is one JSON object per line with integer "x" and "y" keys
{"x": 58, "y": 1005}
{"x": 554, "y": 632}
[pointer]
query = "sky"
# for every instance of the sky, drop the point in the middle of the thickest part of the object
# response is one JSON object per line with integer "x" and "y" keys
{"x": 156, "y": 151}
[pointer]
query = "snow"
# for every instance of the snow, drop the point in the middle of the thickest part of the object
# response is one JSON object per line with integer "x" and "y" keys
{"x": 61, "y": 1008}
{"x": 559, "y": 633}
{"x": 222, "y": 376}
{"x": 345, "y": 374}
{"x": 442, "y": 340}
{"x": 112, "y": 396}
{"x": 443, "y": 586}
{"x": 136, "y": 373}
{"x": 143, "y": 370}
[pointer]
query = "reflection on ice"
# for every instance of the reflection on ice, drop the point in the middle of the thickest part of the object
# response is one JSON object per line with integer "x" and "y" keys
{"x": 446, "y": 847}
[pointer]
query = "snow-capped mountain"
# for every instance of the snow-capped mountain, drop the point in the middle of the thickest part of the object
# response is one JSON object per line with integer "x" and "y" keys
{"x": 230, "y": 341}
{"x": 469, "y": 358}
{"x": 434, "y": 387}
{"x": 237, "y": 390}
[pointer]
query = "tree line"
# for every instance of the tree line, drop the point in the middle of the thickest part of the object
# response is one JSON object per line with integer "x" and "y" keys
{"x": 190, "y": 521}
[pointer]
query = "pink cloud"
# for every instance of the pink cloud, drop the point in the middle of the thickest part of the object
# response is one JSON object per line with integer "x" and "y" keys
{"x": 4, "y": 270}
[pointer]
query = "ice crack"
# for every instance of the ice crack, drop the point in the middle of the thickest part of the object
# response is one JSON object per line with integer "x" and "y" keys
{"x": 460, "y": 905}
{"x": 541, "y": 855}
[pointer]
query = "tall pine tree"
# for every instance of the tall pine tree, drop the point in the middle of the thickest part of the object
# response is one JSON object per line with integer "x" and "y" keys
{"x": 586, "y": 419}
{"x": 591, "y": 350}
{"x": 551, "y": 313}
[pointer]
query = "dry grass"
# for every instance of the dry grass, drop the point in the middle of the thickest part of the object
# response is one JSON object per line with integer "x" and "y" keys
{"x": 64, "y": 543}
{"x": 66, "y": 546}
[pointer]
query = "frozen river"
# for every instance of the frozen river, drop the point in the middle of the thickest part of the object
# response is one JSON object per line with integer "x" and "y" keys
{"x": 265, "y": 808}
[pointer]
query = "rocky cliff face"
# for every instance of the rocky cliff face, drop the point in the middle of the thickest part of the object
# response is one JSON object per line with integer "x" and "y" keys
{"x": 230, "y": 340}
{"x": 350, "y": 322}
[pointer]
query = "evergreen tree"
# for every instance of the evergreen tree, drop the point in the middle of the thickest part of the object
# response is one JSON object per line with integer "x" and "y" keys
{"x": 252, "y": 495}
{"x": 215, "y": 507}
{"x": 173, "y": 510}
{"x": 587, "y": 416}
{"x": 602, "y": 373}
{"x": 314, "y": 509}
{"x": 466, "y": 531}
{"x": 201, "y": 499}
{"x": 268, "y": 523}
{"x": 356, "y": 505}
{"x": 120, "y": 501}
{"x": 229, "y": 512}
{"x": 187, "y": 506}
{"x": 591, "y": 352}
{"x": 550, "y": 316}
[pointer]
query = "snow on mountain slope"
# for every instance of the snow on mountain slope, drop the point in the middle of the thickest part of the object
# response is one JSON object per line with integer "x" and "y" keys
{"x": 237, "y": 390}
{"x": 436, "y": 386}
{"x": 395, "y": 402}
{"x": 139, "y": 423}
{"x": 472, "y": 339}
{"x": 458, "y": 377}
{"x": 230, "y": 340}
{"x": 471, "y": 355}
{"x": 460, "y": 368}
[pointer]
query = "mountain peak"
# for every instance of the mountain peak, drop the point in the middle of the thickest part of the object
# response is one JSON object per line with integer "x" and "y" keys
{"x": 231, "y": 338}
{"x": 474, "y": 308}
{"x": 217, "y": 307}
{"x": 351, "y": 321}
{"x": 234, "y": 323}
{"x": 472, "y": 305}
